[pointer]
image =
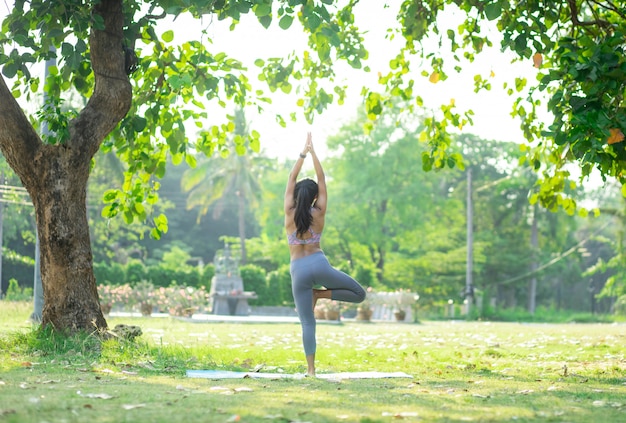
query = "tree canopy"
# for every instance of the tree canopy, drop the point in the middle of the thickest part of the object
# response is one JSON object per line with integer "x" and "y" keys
{"x": 575, "y": 45}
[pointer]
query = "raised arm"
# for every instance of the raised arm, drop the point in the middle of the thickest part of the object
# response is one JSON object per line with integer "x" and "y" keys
{"x": 322, "y": 196}
{"x": 293, "y": 175}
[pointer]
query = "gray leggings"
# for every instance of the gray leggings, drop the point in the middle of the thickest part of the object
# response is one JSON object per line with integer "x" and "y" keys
{"x": 312, "y": 270}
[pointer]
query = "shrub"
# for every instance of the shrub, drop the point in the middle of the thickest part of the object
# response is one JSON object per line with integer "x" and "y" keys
{"x": 159, "y": 276}
{"x": 279, "y": 286}
{"x": 166, "y": 276}
{"x": 112, "y": 273}
{"x": 255, "y": 279}
{"x": 17, "y": 293}
{"x": 207, "y": 275}
{"x": 135, "y": 272}
{"x": 366, "y": 276}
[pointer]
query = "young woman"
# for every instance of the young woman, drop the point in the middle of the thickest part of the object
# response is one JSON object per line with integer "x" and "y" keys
{"x": 305, "y": 210}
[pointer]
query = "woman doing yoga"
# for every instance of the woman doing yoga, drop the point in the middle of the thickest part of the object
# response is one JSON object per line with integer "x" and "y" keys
{"x": 305, "y": 210}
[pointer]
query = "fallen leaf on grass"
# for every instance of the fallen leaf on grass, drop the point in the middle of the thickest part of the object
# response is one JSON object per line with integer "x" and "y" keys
{"x": 525, "y": 391}
{"x": 96, "y": 396}
{"x": 400, "y": 415}
{"x": 46, "y": 382}
{"x": 146, "y": 365}
{"x": 552, "y": 388}
{"x": 243, "y": 389}
{"x": 24, "y": 385}
{"x": 132, "y": 406}
{"x": 480, "y": 396}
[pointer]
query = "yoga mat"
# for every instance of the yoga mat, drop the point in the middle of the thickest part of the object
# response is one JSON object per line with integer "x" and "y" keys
{"x": 229, "y": 374}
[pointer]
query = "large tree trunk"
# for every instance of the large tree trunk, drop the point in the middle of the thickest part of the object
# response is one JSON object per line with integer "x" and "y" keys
{"x": 56, "y": 178}
{"x": 69, "y": 286}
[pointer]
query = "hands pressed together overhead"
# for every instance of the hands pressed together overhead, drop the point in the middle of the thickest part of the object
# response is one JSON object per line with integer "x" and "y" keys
{"x": 308, "y": 145}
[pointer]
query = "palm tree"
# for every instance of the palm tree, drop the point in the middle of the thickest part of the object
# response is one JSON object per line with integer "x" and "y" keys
{"x": 215, "y": 179}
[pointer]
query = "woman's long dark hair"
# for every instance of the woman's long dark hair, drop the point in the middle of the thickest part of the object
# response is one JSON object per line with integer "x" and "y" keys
{"x": 304, "y": 195}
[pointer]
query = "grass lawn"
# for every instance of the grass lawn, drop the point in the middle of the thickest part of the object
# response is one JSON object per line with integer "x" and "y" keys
{"x": 461, "y": 371}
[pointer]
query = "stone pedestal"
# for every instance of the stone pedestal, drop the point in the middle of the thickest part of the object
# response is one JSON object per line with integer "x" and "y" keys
{"x": 227, "y": 296}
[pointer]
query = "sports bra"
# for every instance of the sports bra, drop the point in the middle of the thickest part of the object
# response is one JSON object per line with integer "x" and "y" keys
{"x": 294, "y": 240}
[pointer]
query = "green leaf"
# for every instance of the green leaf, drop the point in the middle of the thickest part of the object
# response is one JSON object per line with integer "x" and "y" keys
{"x": 10, "y": 69}
{"x": 493, "y": 11}
{"x": 177, "y": 159}
{"x": 266, "y": 21}
{"x": 109, "y": 211}
{"x": 109, "y": 195}
{"x": 128, "y": 216}
{"x": 285, "y": 22}
{"x": 139, "y": 123}
{"x": 262, "y": 9}
{"x": 313, "y": 22}
{"x": 191, "y": 160}
{"x": 168, "y": 36}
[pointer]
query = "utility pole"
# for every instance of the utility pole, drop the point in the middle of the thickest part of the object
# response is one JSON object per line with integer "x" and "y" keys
{"x": 534, "y": 247}
{"x": 469, "y": 287}
{"x": 38, "y": 286}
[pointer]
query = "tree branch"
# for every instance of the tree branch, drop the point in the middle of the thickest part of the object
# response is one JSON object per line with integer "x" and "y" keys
{"x": 19, "y": 142}
{"x": 112, "y": 94}
{"x": 577, "y": 22}
{"x": 610, "y": 6}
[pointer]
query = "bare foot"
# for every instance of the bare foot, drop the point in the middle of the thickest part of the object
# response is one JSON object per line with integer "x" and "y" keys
{"x": 317, "y": 294}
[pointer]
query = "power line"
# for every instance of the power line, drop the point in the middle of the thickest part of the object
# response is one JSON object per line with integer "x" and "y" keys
{"x": 554, "y": 260}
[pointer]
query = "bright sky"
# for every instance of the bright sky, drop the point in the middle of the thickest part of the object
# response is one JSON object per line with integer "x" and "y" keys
{"x": 249, "y": 41}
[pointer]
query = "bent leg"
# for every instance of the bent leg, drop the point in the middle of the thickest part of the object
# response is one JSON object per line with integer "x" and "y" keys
{"x": 343, "y": 287}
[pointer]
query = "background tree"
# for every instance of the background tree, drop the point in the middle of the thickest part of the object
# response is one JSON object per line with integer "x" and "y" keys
{"x": 377, "y": 186}
{"x": 214, "y": 182}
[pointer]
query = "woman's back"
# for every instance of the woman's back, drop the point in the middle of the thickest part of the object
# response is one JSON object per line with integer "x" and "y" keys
{"x": 302, "y": 245}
